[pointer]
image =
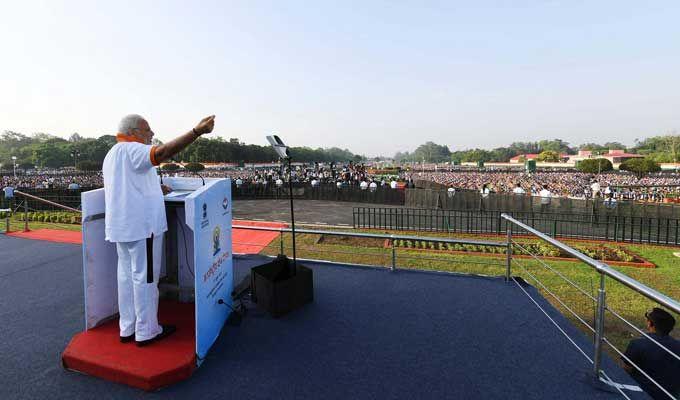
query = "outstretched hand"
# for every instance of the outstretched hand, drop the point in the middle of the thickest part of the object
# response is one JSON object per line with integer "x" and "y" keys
{"x": 206, "y": 125}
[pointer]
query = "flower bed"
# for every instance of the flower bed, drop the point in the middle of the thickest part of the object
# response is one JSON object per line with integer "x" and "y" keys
{"x": 609, "y": 254}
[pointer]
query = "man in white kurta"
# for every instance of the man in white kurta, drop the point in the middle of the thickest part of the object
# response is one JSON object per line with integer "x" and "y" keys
{"x": 135, "y": 221}
{"x": 135, "y": 215}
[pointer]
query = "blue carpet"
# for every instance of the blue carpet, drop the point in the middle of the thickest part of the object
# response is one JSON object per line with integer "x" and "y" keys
{"x": 370, "y": 334}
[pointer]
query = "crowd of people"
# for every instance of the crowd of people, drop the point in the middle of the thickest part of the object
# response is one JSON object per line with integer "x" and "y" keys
{"x": 340, "y": 174}
{"x": 578, "y": 185}
{"x": 52, "y": 179}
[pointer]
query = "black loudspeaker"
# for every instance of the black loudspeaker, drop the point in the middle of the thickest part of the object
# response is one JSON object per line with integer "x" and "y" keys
{"x": 279, "y": 289}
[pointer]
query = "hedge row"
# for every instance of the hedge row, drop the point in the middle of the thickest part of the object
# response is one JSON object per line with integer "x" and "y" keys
{"x": 595, "y": 251}
{"x": 423, "y": 244}
{"x": 51, "y": 217}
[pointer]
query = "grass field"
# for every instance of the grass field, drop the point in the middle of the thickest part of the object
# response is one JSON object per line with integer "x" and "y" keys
{"x": 630, "y": 305}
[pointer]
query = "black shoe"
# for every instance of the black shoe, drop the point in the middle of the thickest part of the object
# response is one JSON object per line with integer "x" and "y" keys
{"x": 167, "y": 331}
{"x": 127, "y": 339}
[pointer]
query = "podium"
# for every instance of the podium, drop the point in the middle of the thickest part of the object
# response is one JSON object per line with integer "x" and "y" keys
{"x": 196, "y": 283}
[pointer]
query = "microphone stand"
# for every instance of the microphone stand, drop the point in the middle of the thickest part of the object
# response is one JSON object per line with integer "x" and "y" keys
{"x": 292, "y": 212}
{"x": 199, "y": 175}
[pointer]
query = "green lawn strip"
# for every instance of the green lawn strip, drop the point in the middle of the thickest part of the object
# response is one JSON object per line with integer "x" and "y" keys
{"x": 33, "y": 225}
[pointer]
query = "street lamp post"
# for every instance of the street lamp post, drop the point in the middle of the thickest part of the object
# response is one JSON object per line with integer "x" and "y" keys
{"x": 14, "y": 160}
{"x": 75, "y": 156}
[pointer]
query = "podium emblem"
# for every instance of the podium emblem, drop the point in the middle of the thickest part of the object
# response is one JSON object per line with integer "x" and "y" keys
{"x": 216, "y": 240}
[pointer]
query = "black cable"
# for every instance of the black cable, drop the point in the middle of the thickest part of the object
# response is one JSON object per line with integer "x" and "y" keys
{"x": 186, "y": 250}
{"x": 220, "y": 301}
{"x": 241, "y": 311}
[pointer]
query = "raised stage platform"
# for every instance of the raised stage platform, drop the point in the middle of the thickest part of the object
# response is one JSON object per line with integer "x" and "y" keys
{"x": 99, "y": 352}
{"x": 370, "y": 334}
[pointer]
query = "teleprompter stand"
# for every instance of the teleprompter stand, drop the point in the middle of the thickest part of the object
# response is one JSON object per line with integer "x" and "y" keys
{"x": 282, "y": 285}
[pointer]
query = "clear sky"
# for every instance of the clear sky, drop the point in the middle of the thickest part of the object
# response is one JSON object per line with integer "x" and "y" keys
{"x": 371, "y": 76}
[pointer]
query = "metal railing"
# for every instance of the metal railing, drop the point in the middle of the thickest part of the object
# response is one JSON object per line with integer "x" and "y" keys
{"x": 507, "y": 202}
{"x": 31, "y": 208}
{"x": 599, "y": 301}
{"x": 577, "y": 226}
{"x": 391, "y": 238}
{"x": 604, "y": 271}
{"x": 67, "y": 197}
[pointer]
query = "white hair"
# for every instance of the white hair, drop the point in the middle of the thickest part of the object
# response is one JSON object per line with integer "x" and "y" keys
{"x": 129, "y": 122}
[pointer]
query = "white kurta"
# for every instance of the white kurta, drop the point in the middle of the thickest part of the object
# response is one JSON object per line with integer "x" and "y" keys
{"x": 133, "y": 195}
{"x": 134, "y": 212}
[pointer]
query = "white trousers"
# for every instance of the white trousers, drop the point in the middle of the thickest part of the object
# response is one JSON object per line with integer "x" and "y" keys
{"x": 137, "y": 299}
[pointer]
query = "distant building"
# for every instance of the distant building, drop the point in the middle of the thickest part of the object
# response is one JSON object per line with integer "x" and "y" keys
{"x": 234, "y": 141}
{"x": 619, "y": 156}
{"x": 532, "y": 156}
{"x": 616, "y": 157}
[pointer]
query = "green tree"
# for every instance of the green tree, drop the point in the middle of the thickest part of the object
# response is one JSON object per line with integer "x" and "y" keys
{"x": 557, "y": 145}
{"x": 595, "y": 165}
{"x": 53, "y": 153}
{"x": 477, "y": 155}
{"x": 108, "y": 140}
{"x": 194, "y": 167}
{"x": 592, "y": 147}
{"x": 614, "y": 146}
{"x": 88, "y": 165}
{"x": 502, "y": 154}
{"x": 75, "y": 137}
{"x": 14, "y": 144}
{"x": 92, "y": 149}
{"x": 548, "y": 156}
{"x": 402, "y": 156}
{"x": 170, "y": 167}
{"x": 432, "y": 152}
{"x": 660, "y": 148}
{"x": 640, "y": 166}
{"x": 525, "y": 148}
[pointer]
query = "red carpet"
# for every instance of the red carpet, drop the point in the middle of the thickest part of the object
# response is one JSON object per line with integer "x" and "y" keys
{"x": 51, "y": 235}
{"x": 98, "y": 352}
{"x": 245, "y": 241}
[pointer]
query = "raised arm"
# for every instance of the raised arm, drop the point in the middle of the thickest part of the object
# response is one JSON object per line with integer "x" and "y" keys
{"x": 169, "y": 149}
